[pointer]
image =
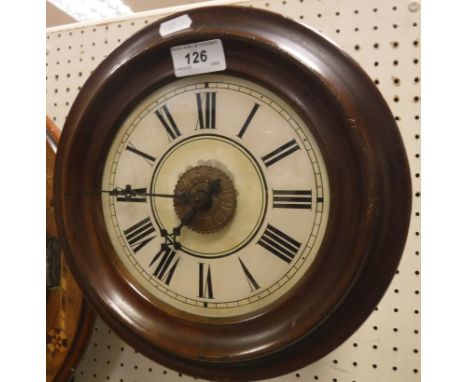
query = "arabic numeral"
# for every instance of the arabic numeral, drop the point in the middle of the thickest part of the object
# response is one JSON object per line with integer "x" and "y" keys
{"x": 196, "y": 57}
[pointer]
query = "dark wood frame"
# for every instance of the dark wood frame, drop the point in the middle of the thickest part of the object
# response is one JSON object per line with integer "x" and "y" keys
{"x": 62, "y": 368}
{"x": 370, "y": 203}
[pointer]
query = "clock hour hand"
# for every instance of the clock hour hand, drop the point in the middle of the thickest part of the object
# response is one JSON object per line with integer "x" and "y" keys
{"x": 170, "y": 239}
{"x": 201, "y": 201}
{"x": 186, "y": 220}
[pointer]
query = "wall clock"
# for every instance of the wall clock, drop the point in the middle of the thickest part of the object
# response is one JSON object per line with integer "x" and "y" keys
{"x": 236, "y": 222}
{"x": 69, "y": 318}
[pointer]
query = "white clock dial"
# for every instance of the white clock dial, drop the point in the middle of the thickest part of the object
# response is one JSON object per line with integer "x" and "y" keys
{"x": 260, "y": 182}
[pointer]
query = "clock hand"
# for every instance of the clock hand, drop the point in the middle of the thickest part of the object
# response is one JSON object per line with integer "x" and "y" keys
{"x": 203, "y": 202}
{"x": 171, "y": 238}
{"x": 186, "y": 219}
{"x": 128, "y": 192}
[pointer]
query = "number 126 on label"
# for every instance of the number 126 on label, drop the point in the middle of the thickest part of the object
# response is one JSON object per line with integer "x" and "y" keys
{"x": 197, "y": 58}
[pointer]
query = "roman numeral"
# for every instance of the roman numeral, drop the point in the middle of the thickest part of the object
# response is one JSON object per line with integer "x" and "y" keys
{"x": 134, "y": 197}
{"x": 248, "y": 120}
{"x": 279, "y": 244}
{"x": 148, "y": 158}
{"x": 167, "y": 121}
{"x": 206, "y": 105}
{"x": 297, "y": 199}
{"x": 205, "y": 287}
{"x": 280, "y": 152}
{"x": 167, "y": 264}
{"x": 252, "y": 283}
{"x": 139, "y": 235}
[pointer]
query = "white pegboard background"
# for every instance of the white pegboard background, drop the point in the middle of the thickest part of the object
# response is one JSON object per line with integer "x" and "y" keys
{"x": 384, "y": 38}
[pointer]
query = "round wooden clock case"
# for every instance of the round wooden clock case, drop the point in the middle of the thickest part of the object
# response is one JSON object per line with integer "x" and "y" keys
{"x": 122, "y": 241}
{"x": 70, "y": 319}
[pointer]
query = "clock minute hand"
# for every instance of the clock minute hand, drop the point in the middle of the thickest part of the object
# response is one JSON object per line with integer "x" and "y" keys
{"x": 128, "y": 192}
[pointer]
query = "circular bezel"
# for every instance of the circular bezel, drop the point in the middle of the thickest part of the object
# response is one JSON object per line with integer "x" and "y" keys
{"x": 369, "y": 181}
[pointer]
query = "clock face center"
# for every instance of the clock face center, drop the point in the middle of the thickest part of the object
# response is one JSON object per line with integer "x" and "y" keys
{"x": 211, "y": 193}
{"x": 230, "y": 218}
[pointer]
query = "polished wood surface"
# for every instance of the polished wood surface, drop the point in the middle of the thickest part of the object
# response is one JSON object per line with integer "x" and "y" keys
{"x": 69, "y": 319}
{"x": 370, "y": 203}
